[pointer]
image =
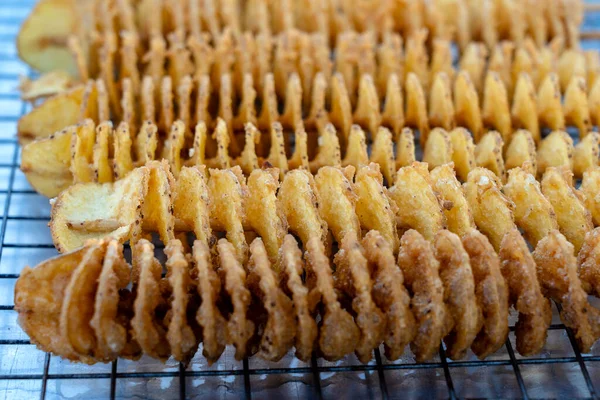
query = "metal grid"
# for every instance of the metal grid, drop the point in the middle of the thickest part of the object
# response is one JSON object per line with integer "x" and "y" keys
{"x": 25, "y": 372}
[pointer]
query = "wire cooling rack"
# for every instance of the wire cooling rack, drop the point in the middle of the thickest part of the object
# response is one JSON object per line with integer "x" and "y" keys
{"x": 560, "y": 371}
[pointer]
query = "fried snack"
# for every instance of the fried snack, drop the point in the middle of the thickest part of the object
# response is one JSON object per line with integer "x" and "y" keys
{"x": 405, "y": 148}
{"x": 557, "y": 273}
{"x": 574, "y": 220}
{"x": 491, "y": 210}
{"x": 586, "y": 154}
{"x": 524, "y": 107}
{"x": 438, "y": 149}
{"x": 292, "y": 268}
{"x": 590, "y": 187}
{"x": 556, "y": 150}
{"x": 209, "y": 317}
{"x": 148, "y": 323}
{"x": 491, "y": 292}
{"x": 417, "y": 205}
{"x": 459, "y": 293}
{"x": 456, "y": 209}
{"x": 352, "y": 278}
{"x": 389, "y": 294}
{"x": 421, "y": 272}
{"x": 463, "y": 152}
{"x": 112, "y": 317}
{"x": 496, "y": 109}
{"x": 521, "y": 152}
{"x": 191, "y": 203}
{"x": 338, "y": 333}
{"x": 519, "y": 270}
{"x": 240, "y": 329}
{"x": 279, "y": 331}
{"x": 533, "y": 213}
{"x": 180, "y": 334}
{"x": 337, "y": 201}
{"x": 587, "y": 262}
{"x": 374, "y": 209}
{"x": 488, "y": 154}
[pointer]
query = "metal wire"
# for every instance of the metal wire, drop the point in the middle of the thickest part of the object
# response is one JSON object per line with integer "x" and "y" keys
{"x": 20, "y": 8}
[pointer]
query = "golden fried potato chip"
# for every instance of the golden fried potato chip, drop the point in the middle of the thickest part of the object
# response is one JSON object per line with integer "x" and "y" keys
{"x": 576, "y": 108}
{"x": 588, "y": 262}
{"x": 534, "y": 214}
{"x": 438, "y": 149}
{"x": 466, "y": 104}
{"x": 519, "y": 270}
{"x": 328, "y": 152}
{"x": 550, "y": 112}
{"x": 456, "y": 209}
{"x": 586, "y": 154}
{"x": 488, "y": 154}
{"x": 82, "y": 151}
{"x": 48, "y": 84}
{"x": 441, "y": 108}
{"x": 417, "y": 205}
{"x": 157, "y": 204}
{"x": 356, "y": 150}
{"x": 524, "y": 107}
{"x": 416, "y": 106}
{"x": 555, "y": 150}
{"x": 366, "y": 112}
{"x": 382, "y": 153}
{"x": 491, "y": 292}
{"x": 574, "y": 220}
{"x": 521, "y": 152}
{"x": 463, "y": 152}
{"x": 590, "y": 187}
{"x": 495, "y": 109}
{"x": 492, "y": 211}
{"x": 102, "y": 169}
{"x": 421, "y": 273}
{"x": 191, "y": 203}
{"x": 557, "y": 273}
{"x": 405, "y": 148}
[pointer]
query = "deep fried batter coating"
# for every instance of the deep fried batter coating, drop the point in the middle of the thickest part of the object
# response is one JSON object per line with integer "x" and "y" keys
{"x": 279, "y": 331}
{"x": 374, "y": 208}
{"x": 588, "y": 262}
{"x": 463, "y": 152}
{"x": 264, "y": 213}
{"x": 590, "y": 187}
{"x": 157, "y": 205}
{"x": 227, "y": 190}
{"x": 180, "y": 335}
{"x": 389, "y": 294}
{"x": 438, "y": 149}
{"x": 534, "y": 214}
{"x": 421, "y": 272}
{"x": 39, "y": 296}
{"x": 337, "y": 201}
{"x": 491, "y": 292}
{"x": 557, "y": 273}
{"x": 488, "y": 154}
{"x": 191, "y": 203}
{"x": 292, "y": 268}
{"x": 518, "y": 268}
{"x": 555, "y": 150}
{"x": 574, "y": 220}
{"x": 352, "y": 277}
{"x": 492, "y": 211}
{"x": 418, "y": 206}
{"x": 110, "y": 323}
{"x": 78, "y": 303}
{"x": 338, "y": 333}
{"x": 149, "y": 329}
{"x": 456, "y": 208}
{"x": 521, "y": 152}
{"x": 459, "y": 293}
{"x": 240, "y": 328}
{"x": 209, "y": 317}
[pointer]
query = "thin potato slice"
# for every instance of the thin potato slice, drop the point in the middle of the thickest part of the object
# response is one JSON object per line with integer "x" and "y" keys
{"x": 382, "y": 153}
{"x": 456, "y": 209}
{"x": 590, "y": 187}
{"x": 524, "y": 107}
{"x": 466, "y": 105}
{"x": 488, "y": 154}
{"x": 586, "y": 154}
{"x": 555, "y": 150}
{"x": 438, "y": 149}
{"x": 405, "y": 148}
{"x": 521, "y": 152}
{"x": 356, "y": 150}
{"x": 463, "y": 152}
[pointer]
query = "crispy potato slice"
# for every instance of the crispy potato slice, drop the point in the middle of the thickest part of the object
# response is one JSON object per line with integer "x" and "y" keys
{"x": 102, "y": 169}
{"x": 92, "y": 210}
{"x": 574, "y": 220}
{"x": 352, "y": 278}
{"x": 48, "y": 84}
{"x": 82, "y": 151}
{"x": 416, "y": 106}
{"x": 227, "y": 190}
{"x": 338, "y": 333}
{"x": 488, "y": 154}
{"x": 180, "y": 334}
{"x": 337, "y": 201}
{"x": 280, "y": 329}
{"x": 438, "y": 149}
{"x": 39, "y": 298}
{"x": 240, "y": 328}
{"x": 496, "y": 109}
{"x": 264, "y": 214}
{"x": 209, "y": 317}
{"x": 533, "y": 213}
{"x": 588, "y": 262}
{"x": 393, "y": 109}
{"x": 111, "y": 319}
{"x": 492, "y": 211}
{"x": 550, "y": 112}
{"x": 374, "y": 209}
{"x": 421, "y": 273}
{"x": 299, "y": 200}
{"x": 521, "y": 152}
{"x": 557, "y": 273}
{"x": 586, "y": 154}
{"x": 292, "y": 268}
{"x": 42, "y": 39}
{"x": 356, "y": 150}
{"x": 173, "y": 146}
{"x": 519, "y": 270}
{"x": 575, "y": 108}
{"x": 328, "y": 152}
{"x": 382, "y": 153}
{"x": 248, "y": 160}
{"x": 491, "y": 292}
{"x": 459, "y": 293}
{"x": 463, "y": 152}
{"x": 456, "y": 209}
{"x": 417, "y": 205}
{"x": 405, "y": 148}
{"x": 366, "y": 113}
{"x": 191, "y": 204}
{"x": 524, "y": 107}
{"x": 590, "y": 187}
{"x": 555, "y": 150}
{"x": 78, "y": 303}
{"x": 389, "y": 294}
{"x": 441, "y": 108}
{"x": 45, "y": 163}
{"x": 149, "y": 327}
{"x": 466, "y": 104}
{"x": 157, "y": 207}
